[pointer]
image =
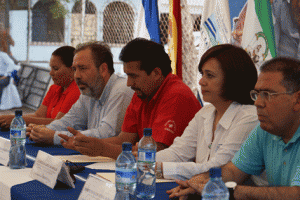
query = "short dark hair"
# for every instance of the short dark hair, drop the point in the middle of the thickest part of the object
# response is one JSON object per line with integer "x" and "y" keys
{"x": 151, "y": 55}
{"x": 101, "y": 53}
{"x": 66, "y": 55}
{"x": 240, "y": 74}
{"x": 290, "y": 69}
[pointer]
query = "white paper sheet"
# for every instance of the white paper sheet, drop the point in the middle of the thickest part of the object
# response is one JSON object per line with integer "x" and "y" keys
{"x": 108, "y": 166}
{"x": 111, "y": 177}
{"x": 97, "y": 188}
{"x": 84, "y": 158}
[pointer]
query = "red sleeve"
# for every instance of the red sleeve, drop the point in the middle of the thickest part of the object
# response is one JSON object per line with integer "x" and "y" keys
{"x": 70, "y": 99}
{"x": 173, "y": 116}
{"x": 49, "y": 95}
{"x": 130, "y": 120}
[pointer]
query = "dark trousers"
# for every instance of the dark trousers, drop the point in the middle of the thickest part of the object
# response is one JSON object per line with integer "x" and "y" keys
{"x": 3, "y": 83}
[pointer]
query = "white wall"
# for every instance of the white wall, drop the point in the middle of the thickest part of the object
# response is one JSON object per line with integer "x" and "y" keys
{"x": 18, "y": 30}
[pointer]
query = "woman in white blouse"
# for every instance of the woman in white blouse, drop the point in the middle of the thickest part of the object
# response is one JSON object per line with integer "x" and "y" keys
{"x": 218, "y": 129}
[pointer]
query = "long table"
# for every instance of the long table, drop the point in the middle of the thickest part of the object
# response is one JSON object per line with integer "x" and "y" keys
{"x": 34, "y": 189}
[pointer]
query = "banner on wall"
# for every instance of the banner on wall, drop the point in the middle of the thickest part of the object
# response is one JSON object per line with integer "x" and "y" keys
{"x": 147, "y": 25}
{"x": 258, "y": 37}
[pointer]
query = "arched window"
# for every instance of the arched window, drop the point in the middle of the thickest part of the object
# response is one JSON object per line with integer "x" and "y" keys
{"x": 118, "y": 23}
{"x": 90, "y": 23}
{"x": 89, "y": 8}
{"x": 45, "y": 27}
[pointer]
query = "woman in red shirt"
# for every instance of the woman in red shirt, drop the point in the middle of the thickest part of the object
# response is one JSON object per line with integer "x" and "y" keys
{"x": 61, "y": 95}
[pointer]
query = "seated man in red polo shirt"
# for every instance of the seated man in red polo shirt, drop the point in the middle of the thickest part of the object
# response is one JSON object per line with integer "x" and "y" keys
{"x": 161, "y": 102}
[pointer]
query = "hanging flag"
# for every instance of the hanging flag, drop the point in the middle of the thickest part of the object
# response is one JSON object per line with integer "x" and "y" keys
{"x": 190, "y": 60}
{"x": 258, "y": 35}
{"x": 148, "y": 21}
{"x": 175, "y": 45}
{"x": 238, "y": 27}
{"x": 215, "y": 24}
{"x": 235, "y": 8}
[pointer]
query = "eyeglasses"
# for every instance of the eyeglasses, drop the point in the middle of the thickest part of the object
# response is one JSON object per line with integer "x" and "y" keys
{"x": 265, "y": 94}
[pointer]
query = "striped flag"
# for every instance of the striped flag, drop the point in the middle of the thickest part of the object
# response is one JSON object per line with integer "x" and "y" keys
{"x": 215, "y": 24}
{"x": 258, "y": 35}
{"x": 147, "y": 25}
{"x": 175, "y": 45}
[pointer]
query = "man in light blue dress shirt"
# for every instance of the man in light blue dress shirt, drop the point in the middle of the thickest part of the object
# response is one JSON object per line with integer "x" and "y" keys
{"x": 273, "y": 146}
{"x": 100, "y": 110}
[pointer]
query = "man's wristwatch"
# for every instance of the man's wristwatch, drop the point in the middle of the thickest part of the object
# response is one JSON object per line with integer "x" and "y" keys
{"x": 231, "y": 185}
{"x": 158, "y": 172}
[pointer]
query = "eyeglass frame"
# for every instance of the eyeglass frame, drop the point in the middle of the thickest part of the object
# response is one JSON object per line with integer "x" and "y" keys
{"x": 269, "y": 94}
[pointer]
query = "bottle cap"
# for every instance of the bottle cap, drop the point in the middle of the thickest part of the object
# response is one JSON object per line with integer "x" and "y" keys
{"x": 147, "y": 131}
{"x": 215, "y": 172}
{"x": 18, "y": 113}
{"x": 126, "y": 146}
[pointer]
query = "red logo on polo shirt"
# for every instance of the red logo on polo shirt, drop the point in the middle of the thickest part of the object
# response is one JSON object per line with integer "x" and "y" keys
{"x": 170, "y": 126}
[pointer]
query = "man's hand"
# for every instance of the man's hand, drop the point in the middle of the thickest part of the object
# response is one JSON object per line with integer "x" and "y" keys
{"x": 28, "y": 129}
{"x": 199, "y": 179}
{"x": 182, "y": 191}
{"x": 196, "y": 186}
{"x": 5, "y": 120}
{"x": 41, "y": 134}
{"x": 68, "y": 142}
{"x": 88, "y": 145}
{"x": 135, "y": 150}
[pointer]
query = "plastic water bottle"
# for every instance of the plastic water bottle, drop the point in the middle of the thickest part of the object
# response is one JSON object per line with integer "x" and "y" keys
{"x": 17, "y": 153}
{"x": 126, "y": 172}
{"x": 146, "y": 183}
{"x": 215, "y": 188}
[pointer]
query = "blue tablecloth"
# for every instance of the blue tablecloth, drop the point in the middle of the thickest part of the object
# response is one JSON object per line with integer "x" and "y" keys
{"x": 40, "y": 191}
{"x": 37, "y": 190}
{"x": 32, "y": 148}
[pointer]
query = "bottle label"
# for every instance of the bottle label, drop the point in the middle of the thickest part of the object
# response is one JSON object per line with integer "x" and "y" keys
{"x": 126, "y": 176}
{"x": 17, "y": 133}
{"x": 147, "y": 156}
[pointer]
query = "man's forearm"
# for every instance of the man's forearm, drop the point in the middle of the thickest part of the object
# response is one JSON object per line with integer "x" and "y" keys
{"x": 37, "y": 120}
{"x": 110, "y": 149}
{"x": 113, "y": 140}
{"x": 262, "y": 193}
{"x": 122, "y": 137}
{"x": 231, "y": 173}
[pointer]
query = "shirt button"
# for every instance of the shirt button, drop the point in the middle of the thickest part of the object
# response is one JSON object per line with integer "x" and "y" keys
{"x": 284, "y": 163}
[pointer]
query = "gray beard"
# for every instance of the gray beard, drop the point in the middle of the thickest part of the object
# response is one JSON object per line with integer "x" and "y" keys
{"x": 88, "y": 92}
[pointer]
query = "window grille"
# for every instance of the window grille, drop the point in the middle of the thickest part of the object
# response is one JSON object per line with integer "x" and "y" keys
{"x": 118, "y": 23}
